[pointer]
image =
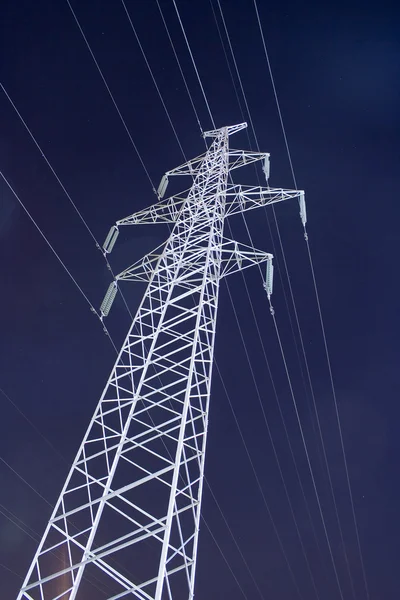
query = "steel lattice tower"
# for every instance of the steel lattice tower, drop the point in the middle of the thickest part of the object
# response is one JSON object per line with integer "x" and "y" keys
{"x": 128, "y": 516}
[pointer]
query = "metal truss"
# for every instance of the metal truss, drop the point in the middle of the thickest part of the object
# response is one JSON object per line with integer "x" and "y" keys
{"x": 128, "y": 515}
{"x": 234, "y": 257}
{"x": 239, "y": 198}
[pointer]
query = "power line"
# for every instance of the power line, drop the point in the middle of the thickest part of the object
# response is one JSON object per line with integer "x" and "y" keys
{"x": 307, "y": 456}
{"x": 64, "y": 266}
{"x": 111, "y": 96}
{"x": 16, "y": 521}
{"x": 274, "y": 448}
{"x": 252, "y": 308}
{"x": 225, "y": 559}
{"x": 273, "y": 208}
{"x": 246, "y": 564}
{"x": 55, "y": 253}
{"x": 303, "y": 438}
{"x": 295, "y": 310}
{"x": 153, "y": 78}
{"x": 259, "y": 485}
{"x": 48, "y": 243}
{"x": 74, "y": 281}
{"x": 338, "y": 420}
{"x": 194, "y": 63}
{"x": 165, "y": 108}
{"x": 31, "y": 423}
{"x": 251, "y": 304}
{"x": 85, "y": 223}
{"x": 48, "y": 164}
{"x": 213, "y": 122}
{"x": 259, "y": 183}
{"x": 25, "y": 481}
{"x": 229, "y": 67}
{"x": 10, "y": 570}
{"x": 320, "y": 316}
{"x": 237, "y": 70}
{"x": 151, "y": 73}
{"x": 89, "y": 230}
{"x": 179, "y": 65}
{"x": 275, "y": 95}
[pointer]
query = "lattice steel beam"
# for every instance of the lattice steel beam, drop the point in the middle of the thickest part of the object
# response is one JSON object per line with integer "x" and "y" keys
{"x": 129, "y": 511}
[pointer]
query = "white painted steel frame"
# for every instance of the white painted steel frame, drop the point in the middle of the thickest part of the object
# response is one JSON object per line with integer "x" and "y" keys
{"x": 129, "y": 511}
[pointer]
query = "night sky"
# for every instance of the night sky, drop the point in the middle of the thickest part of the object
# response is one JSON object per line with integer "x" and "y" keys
{"x": 337, "y": 72}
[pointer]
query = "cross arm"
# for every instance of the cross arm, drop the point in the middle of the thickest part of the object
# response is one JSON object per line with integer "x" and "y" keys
{"x": 234, "y": 257}
{"x": 164, "y": 211}
{"x": 188, "y": 168}
{"x": 237, "y": 158}
{"x": 240, "y": 198}
{"x": 237, "y": 257}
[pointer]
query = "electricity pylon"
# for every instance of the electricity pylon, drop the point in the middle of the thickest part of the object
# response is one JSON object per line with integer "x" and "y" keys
{"x": 128, "y": 517}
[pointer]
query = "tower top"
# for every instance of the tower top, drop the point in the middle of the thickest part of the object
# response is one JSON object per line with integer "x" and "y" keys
{"x": 230, "y": 129}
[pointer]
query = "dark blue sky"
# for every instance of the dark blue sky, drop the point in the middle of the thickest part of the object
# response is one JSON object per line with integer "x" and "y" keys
{"x": 337, "y": 72}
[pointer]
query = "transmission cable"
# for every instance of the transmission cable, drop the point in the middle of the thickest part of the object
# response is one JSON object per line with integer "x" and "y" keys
{"x": 89, "y": 230}
{"x": 307, "y": 455}
{"x": 302, "y": 436}
{"x": 91, "y": 306}
{"x": 213, "y": 122}
{"x": 48, "y": 243}
{"x": 154, "y": 81}
{"x": 273, "y": 245}
{"x": 82, "y": 219}
{"x": 259, "y": 183}
{"x": 319, "y": 311}
{"x": 111, "y": 96}
{"x": 30, "y": 423}
{"x": 258, "y": 483}
{"x": 16, "y": 521}
{"x": 56, "y": 254}
{"x": 48, "y": 163}
{"x": 21, "y": 478}
{"x": 254, "y": 316}
{"x": 179, "y": 65}
{"x": 295, "y": 310}
{"x": 227, "y": 62}
{"x": 269, "y": 227}
{"x": 10, "y": 570}
{"x": 225, "y": 559}
{"x": 273, "y": 208}
{"x": 232, "y": 534}
{"x": 153, "y": 78}
{"x": 193, "y": 62}
{"x": 274, "y": 447}
{"x": 174, "y": 130}
{"x": 108, "y": 89}
{"x": 73, "y": 279}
